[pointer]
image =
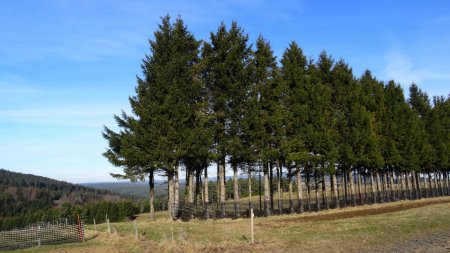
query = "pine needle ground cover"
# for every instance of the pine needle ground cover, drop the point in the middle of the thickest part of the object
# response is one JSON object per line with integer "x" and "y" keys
{"x": 383, "y": 227}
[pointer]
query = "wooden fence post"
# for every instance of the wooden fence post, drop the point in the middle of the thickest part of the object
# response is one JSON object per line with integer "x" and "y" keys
{"x": 135, "y": 230}
{"x": 251, "y": 224}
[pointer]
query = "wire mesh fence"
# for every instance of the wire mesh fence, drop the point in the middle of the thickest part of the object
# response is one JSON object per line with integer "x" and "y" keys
{"x": 43, "y": 233}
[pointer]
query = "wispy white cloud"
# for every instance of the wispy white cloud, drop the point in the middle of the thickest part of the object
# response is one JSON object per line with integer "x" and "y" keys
{"x": 401, "y": 68}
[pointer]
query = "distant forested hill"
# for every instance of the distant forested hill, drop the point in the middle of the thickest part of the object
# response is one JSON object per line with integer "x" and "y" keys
{"x": 25, "y": 193}
{"x": 139, "y": 189}
{"x": 26, "y": 198}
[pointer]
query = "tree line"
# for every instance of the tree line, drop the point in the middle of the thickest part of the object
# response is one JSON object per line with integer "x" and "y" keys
{"x": 25, "y": 193}
{"x": 335, "y": 138}
{"x": 26, "y": 198}
{"x": 116, "y": 211}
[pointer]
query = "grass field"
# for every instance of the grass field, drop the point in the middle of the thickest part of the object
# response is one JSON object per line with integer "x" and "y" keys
{"x": 373, "y": 227}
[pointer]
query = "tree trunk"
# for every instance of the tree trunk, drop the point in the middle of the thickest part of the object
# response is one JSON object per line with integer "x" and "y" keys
{"x": 279, "y": 190}
{"x": 338, "y": 186}
{"x": 417, "y": 182}
{"x": 391, "y": 182}
{"x": 374, "y": 194}
{"x": 266, "y": 190}
{"x": 415, "y": 186}
{"x": 198, "y": 188}
{"x": 360, "y": 197}
{"x": 237, "y": 212}
{"x": 437, "y": 179}
{"x": 446, "y": 183}
{"x": 352, "y": 188}
{"x": 412, "y": 186}
{"x": 176, "y": 193}
{"x": 151, "y": 184}
{"x": 415, "y": 194}
{"x": 426, "y": 187}
{"x": 430, "y": 186}
{"x": 344, "y": 188}
{"x": 385, "y": 183}
{"x": 316, "y": 183}
{"x": 408, "y": 185}
{"x": 187, "y": 189}
{"x": 366, "y": 196}
{"x": 397, "y": 185}
{"x": 298, "y": 176}
{"x": 290, "y": 189}
{"x": 206, "y": 193}
{"x": 271, "y": 190}
{"x": 171, "y": 201}
{"x": 377, "y": 176}
{"x": 190, "y": 207}
{"x": 402, "y": 186}
{"x": 382, "y": 189}
{"x": 335, "y": 192}
{"x": 218, "y": 187}
{"x": 308, "y": 189}
{"x": 222, "y": 187}
{"x": 324, "y": 191}
{"x": 435, "y": 192}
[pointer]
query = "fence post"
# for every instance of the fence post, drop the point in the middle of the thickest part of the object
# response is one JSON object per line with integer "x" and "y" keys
{"x": 95, "y": 226}
{"x": 135, "y": 230}
{"x": 39, "y": 236}
{"x": 79, "y": 229}
{"x": 109, "y": 227}
{"x": 251, "y": 224}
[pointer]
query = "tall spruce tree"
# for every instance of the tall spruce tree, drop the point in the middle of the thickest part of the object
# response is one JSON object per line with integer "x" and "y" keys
{"x": 226, "y": 58}
{"x": 293, "y": 71}
{"x": 321, "y": 125}
{"x": 165, "y": 101}
{"x": 269, "y": 92}
{"x": 373, "y": 100}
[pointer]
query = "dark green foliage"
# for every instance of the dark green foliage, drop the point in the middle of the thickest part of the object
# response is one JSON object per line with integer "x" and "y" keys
{"x": 297, "y": 89}
{"x": 227, "y": 103}
{"x": 270, "y": 96}
{"x": 439, "y": 130}
{"x": 26, "y": 198}
{"x": 26, "y": 193}
{"x": 226, "y": 74}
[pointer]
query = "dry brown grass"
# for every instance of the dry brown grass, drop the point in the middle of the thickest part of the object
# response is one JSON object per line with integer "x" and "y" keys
{"x": 347, "y": 230}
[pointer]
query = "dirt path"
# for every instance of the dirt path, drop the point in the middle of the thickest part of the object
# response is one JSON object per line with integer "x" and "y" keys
{"x": 347, "y": 214}
{"x": 434, "y": 243}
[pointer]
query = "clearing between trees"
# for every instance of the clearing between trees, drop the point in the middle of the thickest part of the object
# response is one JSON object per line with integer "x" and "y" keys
{"x": 405, "y": 226}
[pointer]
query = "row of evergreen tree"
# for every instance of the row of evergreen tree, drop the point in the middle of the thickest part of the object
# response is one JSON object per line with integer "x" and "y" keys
{"x": 224, "y": 101}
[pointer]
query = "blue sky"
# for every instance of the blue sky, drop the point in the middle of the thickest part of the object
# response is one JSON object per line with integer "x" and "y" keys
{"x": 67, "y": 66}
